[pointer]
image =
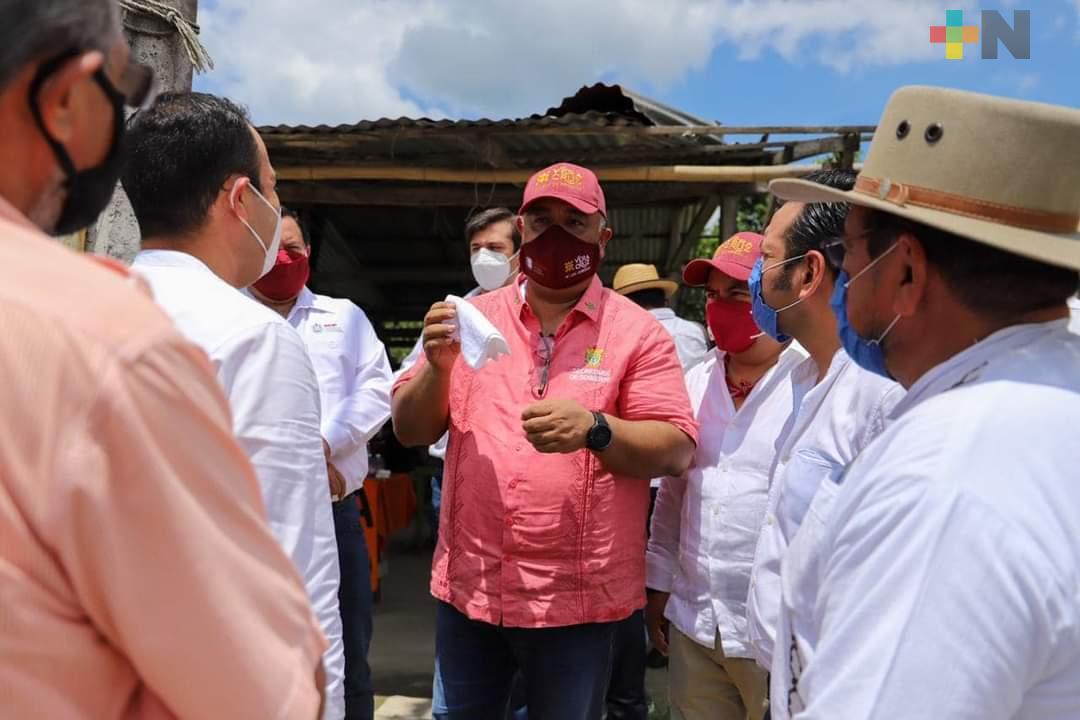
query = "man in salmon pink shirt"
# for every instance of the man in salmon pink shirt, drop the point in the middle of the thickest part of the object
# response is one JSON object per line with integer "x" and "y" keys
{"x": 546, "y": 485}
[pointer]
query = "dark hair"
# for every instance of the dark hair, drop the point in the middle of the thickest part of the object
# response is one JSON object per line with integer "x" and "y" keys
{"x": 178, "y": 154}
{"x": 817, "y": 224}
{"x": 486, "y": 218}
{"x": 33, "y": 30}
{"x": 288, "y": 212}
{"x": 649, "y": 299}
{"x": 991, "y": 282}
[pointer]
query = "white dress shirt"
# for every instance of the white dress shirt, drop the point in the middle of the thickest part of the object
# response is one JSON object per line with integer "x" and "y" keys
{"x": 705, "y": 525}
{"x": 689, "y": 337}
{"x": 438, "y": 450}
{"x": 264, "y": 369}
{"x": 945, "y": 582}
{"x": 354, "y": 378}
{"x": 1074, "y": 305}
{"x": 833, "y": 421}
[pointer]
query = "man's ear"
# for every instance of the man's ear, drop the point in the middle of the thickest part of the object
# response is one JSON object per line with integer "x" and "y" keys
{"x": 235, "y": 196}
{"x": 816, "y": 267}
{"x": 913, "y": 275}
{"x": 58, "y": 98}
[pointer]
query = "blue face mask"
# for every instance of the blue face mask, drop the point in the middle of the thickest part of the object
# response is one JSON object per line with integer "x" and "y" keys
{"x": 867, "y": 354}
{"x": 766, "y": 318}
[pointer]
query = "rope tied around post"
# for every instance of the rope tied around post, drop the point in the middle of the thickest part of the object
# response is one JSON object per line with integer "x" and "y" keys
{"x": 188, "y": 31}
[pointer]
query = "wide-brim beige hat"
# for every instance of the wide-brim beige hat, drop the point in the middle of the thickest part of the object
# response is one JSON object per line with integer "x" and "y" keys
{"x": 1001, "y": 172}
{"x": 636, "y": 277}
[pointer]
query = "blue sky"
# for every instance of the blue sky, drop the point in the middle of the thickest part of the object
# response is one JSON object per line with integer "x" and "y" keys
{"x": 732, "y": 61}
{"x": 774, "y": 90}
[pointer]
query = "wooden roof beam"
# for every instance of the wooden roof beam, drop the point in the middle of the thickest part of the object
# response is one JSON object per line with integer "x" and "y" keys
{"x": 642, "y": 173}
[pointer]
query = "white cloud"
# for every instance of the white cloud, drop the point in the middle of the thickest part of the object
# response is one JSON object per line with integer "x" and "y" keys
{"x": 344, "y": 60}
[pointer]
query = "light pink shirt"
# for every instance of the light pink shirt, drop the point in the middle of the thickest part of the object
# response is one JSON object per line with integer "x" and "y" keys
{"x": 534, "y": 540}
{"x": 138, "y": 578}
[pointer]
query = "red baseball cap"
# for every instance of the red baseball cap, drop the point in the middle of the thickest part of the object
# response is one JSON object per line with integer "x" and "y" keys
{"x": 735, "y": 258}
{"x": 570, "y": 183}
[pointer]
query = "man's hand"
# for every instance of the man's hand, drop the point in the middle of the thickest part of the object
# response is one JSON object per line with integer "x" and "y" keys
{"x": 439, "y": 347}
{"x": 655, "y": 621}
{"x": 337, "y": 481}
{"x": 557, "y": 426}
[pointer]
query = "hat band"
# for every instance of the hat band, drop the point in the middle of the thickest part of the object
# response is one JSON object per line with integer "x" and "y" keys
{"x": 902, "y": 194}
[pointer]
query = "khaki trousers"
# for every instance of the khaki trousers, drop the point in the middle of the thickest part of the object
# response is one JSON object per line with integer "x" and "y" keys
{"x": 707, "y": 685}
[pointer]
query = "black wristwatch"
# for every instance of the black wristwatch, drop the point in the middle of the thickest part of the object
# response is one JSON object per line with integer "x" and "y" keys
{"x": 599, "y": 437}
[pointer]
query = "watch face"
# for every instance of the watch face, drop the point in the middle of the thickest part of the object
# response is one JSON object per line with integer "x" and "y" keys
{"x": 599, "y": 437}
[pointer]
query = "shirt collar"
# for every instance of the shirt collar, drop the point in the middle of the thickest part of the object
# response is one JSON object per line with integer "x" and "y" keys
{"x": 806, "y": 372}
{"x": 588, "y": 305}
{"x": 967, "y": 366}
{"x": 305, "y": 300}
{"x": 172, "y": 258}
{"x": 663, "y": 313}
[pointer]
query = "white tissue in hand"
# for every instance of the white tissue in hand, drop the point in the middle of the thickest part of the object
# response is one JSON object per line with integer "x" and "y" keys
{"x": 479, "y": 339}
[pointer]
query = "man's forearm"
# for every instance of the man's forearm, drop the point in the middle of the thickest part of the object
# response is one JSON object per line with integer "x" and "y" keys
{"x": 421, "y": 408}
{"x": 646, "y": 449}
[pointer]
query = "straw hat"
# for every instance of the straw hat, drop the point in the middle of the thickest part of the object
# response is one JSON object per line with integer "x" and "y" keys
{"x": 635, "y": 277}
{"x": 1001, "y": 172}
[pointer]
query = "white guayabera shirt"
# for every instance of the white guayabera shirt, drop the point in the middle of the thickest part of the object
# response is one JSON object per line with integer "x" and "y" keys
{"x": 945, "y": 580}
{"x": 264, "y": 368}
{"x": 354, "y": 378}
{"x": 833, "y": 421}
{"x": 705, "y": 525}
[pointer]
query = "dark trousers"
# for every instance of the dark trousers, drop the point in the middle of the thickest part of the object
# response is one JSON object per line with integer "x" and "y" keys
{"x": 354, "y": 597}
{"x": 626, "y": 697}
{"x": 565, "y": 670}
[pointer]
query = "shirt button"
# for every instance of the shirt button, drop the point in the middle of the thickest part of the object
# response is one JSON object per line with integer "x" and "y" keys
{"x": 513, "y": 484}
{"x": 506, "y": 558}
{"x": 509, "y": 522}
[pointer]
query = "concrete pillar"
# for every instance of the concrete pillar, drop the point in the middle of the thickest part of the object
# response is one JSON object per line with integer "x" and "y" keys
{"x": 156, "y": 43}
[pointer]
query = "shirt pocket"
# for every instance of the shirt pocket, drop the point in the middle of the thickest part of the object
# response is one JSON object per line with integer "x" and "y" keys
{"x": 807, "y": 471}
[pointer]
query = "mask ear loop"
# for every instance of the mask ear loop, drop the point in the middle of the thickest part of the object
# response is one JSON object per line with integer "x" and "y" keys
{"x": 875, "y": 261}
{"x": 232, "y": 204}
{"x": 887, "y": 331}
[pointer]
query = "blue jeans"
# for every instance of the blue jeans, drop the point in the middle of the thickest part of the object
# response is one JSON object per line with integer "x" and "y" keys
{"x": 565, "y": 669}
{"x": 518, "y": 709}
{"x": 354, "y": 597}
{"x": 626, "y": 696}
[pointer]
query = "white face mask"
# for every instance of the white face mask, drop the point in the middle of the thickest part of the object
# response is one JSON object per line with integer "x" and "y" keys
{"x": 491, "y": 269}
{"x": 271, "y": 250}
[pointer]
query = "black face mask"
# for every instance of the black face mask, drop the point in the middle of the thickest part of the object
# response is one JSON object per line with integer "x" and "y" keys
{"x": 88, "y": 191}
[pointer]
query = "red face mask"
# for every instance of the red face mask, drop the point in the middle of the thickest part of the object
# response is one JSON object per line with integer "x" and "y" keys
{"x": 287, "y": 278}
{"x": 558, "y": 259}
{"x": 732, "y": 325}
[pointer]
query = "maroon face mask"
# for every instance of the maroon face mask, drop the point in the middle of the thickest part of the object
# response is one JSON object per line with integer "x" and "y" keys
{"x": 558, "y": 259}
{"x": 287, "y": 278}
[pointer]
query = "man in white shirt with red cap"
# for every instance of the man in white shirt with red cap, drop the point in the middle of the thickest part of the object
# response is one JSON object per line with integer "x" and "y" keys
{"x": 706, "y": 522}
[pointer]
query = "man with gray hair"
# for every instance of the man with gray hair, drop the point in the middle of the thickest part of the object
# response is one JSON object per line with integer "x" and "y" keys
{"x": 138, "y": 577}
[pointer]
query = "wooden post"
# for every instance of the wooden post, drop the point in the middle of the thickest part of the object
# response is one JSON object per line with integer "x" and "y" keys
{"x": 156, "y": 43}
{"x": 729, "y": 216}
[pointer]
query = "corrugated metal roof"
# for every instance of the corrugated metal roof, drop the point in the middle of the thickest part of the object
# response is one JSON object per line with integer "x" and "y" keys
{"x": 591, "y": 118}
